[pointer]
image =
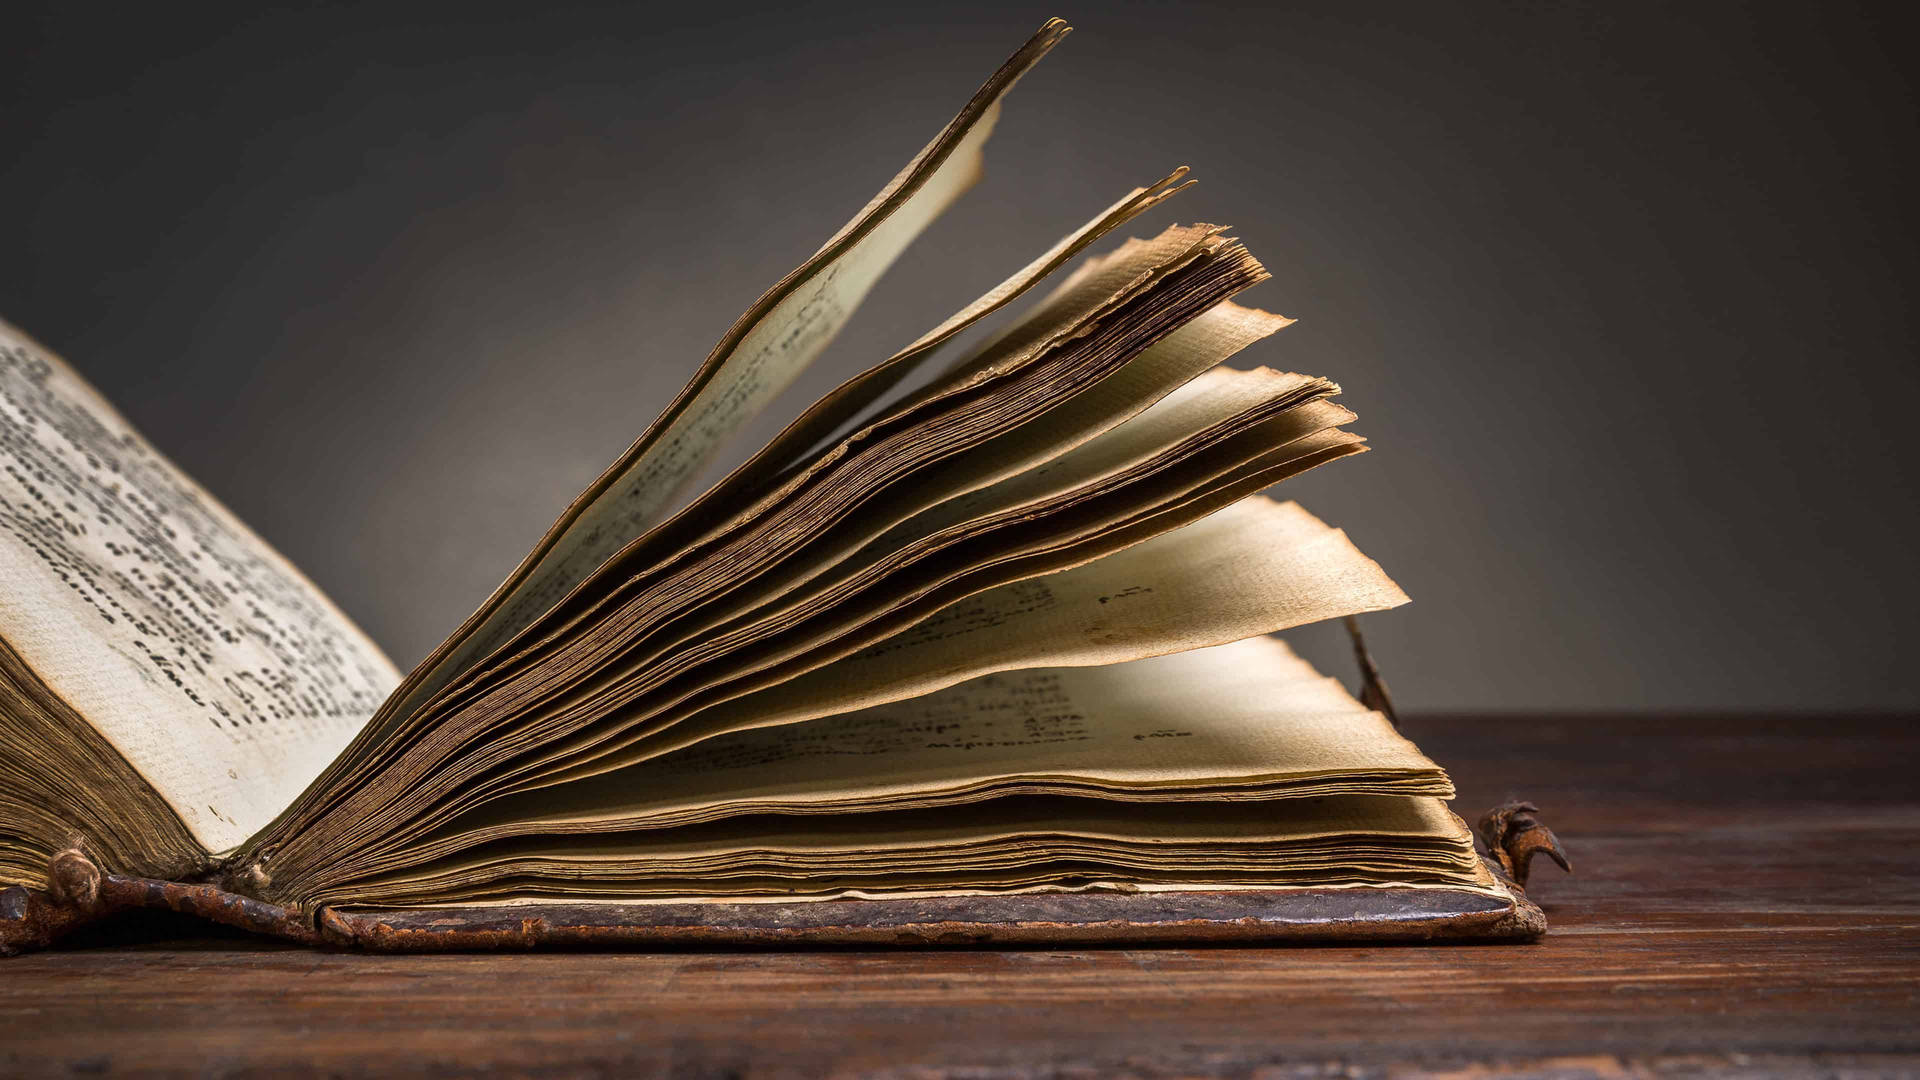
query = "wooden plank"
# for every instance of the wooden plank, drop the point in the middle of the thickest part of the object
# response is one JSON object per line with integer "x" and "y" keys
{"x": 1746, "y": 898}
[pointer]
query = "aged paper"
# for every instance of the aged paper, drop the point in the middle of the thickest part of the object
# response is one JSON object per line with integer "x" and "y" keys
{"x": 219, "y": 672}
{"x": 1006, "y": 843}
{"x": 1247, "y": 717}
{"x": 1013, "y": 469}
{"x": 1048, "y": 523}
{"x": 1253, "y": 568}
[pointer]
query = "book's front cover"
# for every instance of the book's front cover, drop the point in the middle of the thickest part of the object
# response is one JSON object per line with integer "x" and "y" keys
{"x": 31, "y": 919}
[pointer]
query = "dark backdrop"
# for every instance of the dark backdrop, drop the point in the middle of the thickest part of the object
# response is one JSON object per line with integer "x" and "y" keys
{"x": 1621, "y": 293}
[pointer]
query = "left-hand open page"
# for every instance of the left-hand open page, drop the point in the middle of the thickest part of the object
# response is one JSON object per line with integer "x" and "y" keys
{"x": 218, "y": 671}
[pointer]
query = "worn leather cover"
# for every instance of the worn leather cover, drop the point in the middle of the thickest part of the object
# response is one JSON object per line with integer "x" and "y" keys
{"x": 32, "y": 919}
{"x": 1279, "y": 915}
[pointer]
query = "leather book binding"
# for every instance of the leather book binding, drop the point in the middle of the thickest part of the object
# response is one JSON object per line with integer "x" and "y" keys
{"x": 33, "y": 919}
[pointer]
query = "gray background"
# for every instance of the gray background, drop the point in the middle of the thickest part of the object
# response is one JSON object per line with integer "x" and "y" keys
{"x": 1621, "y": 293}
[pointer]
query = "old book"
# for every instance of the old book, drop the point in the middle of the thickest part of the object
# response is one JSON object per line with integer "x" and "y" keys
{"x": 992, "y": 652}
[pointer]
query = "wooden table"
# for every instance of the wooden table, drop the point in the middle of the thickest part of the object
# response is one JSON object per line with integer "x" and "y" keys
{"x": 1746, "y": 899}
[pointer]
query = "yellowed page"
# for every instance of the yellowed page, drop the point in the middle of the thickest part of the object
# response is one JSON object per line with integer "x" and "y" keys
{"x": 1256, "y": 567}
{"x": 743, "y": 496}
{"x": 1247, "y": 713}
{"x": 628, "y": 739}
{"x": 219, "y": 672}
{"x": 949, "y": 492}
{"x": 1155, "y": 373}
{"x": 1001, "y": 843}
{"x": 1354, "y": 823}
{"x": 1219, "y": 397}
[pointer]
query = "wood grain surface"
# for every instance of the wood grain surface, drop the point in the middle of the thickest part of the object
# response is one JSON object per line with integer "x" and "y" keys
{"x": 1746, "y": 901}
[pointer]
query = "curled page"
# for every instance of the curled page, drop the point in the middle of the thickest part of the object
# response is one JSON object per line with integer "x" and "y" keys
{"x": 783, "y": 332}
{"x": 1253, "y": 568}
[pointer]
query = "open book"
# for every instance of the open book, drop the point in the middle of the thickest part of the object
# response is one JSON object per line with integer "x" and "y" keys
{"x": 1002, "y": 634}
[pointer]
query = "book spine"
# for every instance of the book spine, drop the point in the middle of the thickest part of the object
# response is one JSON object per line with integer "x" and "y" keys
{"x": 80, "y": 893}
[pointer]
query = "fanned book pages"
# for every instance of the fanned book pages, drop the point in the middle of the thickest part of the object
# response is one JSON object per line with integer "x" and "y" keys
{"x": 976, "y": 653}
